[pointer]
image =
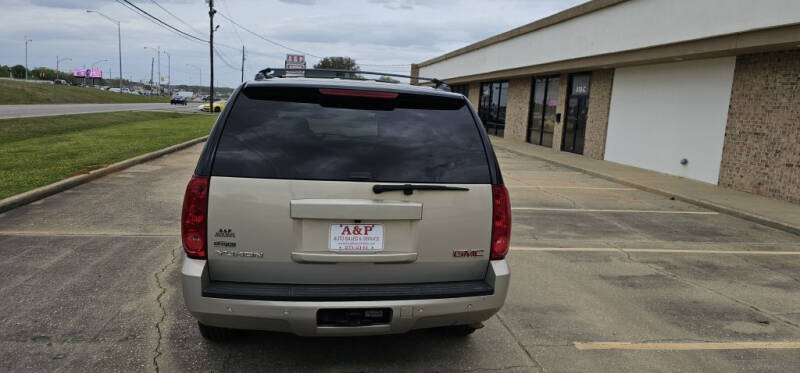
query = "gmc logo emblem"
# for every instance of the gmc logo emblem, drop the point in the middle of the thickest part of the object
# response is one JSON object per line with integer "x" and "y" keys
{"x": 468, "y": 253}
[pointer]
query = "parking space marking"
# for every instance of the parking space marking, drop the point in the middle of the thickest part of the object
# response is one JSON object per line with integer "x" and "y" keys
{"x": 686, "y": 346}
{"x": 664, "y": 251}
{"x": 567, "y": 187}
{"x": 615, "y": 211}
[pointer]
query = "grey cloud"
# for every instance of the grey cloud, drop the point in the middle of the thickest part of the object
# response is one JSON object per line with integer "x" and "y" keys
{"x": 299, "y": 2}
{"x": 71, "y": 4}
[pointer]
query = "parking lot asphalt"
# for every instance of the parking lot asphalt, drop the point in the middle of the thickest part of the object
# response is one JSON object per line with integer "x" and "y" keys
{"x": 605, "y": 278}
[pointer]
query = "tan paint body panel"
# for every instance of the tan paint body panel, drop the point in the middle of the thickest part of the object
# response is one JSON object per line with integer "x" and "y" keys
{"x": 288, "y": 221}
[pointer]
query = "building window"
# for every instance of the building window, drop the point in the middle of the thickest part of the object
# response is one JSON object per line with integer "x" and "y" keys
{"x": 461, "y": 88}
{"x": 492, "y": 108}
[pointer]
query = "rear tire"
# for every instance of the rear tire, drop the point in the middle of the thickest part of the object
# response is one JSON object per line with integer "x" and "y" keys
{"x": 214, "y": 333}
{"x": 217, "y": 110}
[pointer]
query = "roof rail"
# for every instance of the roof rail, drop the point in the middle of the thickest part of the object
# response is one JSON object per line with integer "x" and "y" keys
{"x": 270, "y": 73}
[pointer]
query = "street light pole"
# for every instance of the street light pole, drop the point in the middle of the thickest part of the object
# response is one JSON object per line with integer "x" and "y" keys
{"x": 119, "y": 43}
{"x": 169, "y": 71}
{"x": 26, "y": 55}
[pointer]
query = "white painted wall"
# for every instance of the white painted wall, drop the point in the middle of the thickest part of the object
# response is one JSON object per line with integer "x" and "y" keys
{"x": 662, "y": 113}
{"x": 629, "y": 25}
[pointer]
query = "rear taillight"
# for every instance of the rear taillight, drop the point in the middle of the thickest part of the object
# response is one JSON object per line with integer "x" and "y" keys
{"x": 194, "y": 218}
{"x": 358, "y": 93}
{"x": 501, "y": 222}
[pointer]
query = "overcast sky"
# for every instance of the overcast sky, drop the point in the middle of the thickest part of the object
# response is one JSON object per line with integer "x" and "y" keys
{"x": 374, "y": 32}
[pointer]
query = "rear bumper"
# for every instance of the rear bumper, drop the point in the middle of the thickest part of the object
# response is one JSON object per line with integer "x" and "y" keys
{"x": 300, "y": 317}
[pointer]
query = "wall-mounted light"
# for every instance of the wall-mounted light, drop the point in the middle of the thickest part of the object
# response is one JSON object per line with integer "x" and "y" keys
{"x": 684, "y": 161}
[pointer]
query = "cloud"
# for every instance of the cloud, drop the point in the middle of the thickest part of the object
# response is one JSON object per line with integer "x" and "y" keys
{"x": 71, "y": 4}
{"x": 299, "y": 2}
{"x": 377, "y": 32}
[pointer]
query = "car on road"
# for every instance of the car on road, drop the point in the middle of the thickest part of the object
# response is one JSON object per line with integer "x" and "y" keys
{"x": 178, "y": 100}
{"x": 218, "y": 106}
{"x": 325, "y": 207}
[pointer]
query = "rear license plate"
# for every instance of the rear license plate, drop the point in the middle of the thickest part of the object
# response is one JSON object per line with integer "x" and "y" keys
{"x": 355, "y": 237}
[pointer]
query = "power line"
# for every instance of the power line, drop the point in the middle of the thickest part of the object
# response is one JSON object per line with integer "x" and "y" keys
{"x": 265, "y": 39}
{"x": 158, "y": 24}
{"x": 296, "y": 50}
{"x": 224, "y": 60}
{"x": 235, "y": 29}
{"x": 164, "y": 23}
{"x": 176, "y": 17}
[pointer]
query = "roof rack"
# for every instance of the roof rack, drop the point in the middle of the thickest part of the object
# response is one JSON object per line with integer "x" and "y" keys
{"x": 270, "y": 73}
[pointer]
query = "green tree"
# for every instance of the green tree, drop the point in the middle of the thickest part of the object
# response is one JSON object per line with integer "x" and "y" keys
{"x": 5, "y": 71}
{"x": 388, "y": 79}
{"x": 18, "y": 71}
{"x": 339, "y": 63}
{"x": 42, "y": 73}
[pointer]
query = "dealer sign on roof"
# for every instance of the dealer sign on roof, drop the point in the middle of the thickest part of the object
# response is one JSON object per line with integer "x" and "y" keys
{"x": 295, "y": 65}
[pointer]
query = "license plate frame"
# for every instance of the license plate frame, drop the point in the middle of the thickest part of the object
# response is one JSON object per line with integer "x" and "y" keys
{"x": 356, "y": 237}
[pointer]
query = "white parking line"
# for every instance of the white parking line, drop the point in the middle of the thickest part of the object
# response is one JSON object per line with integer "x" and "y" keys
{"x": 567, "y": 187}
{"x": 686, "y": 346}
{"x": 665, "y": 251}
{"x": 616, "y": 211}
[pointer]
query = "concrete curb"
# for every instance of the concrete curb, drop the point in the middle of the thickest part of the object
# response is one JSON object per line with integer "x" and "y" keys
{"x": 746, "y": 215}
{"x": 25, "y": 198}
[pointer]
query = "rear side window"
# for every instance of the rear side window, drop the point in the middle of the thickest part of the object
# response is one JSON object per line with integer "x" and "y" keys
{"x": 300, "y": 133}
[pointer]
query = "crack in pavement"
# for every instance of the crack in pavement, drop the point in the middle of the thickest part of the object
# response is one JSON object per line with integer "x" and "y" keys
{"x": 516, "y": 339}
{"x": 677, "y": 277}
{"x": 162, "y": 290}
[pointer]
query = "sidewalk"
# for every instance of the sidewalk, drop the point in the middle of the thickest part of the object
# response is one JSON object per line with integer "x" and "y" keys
{"x": 774, "y": 213}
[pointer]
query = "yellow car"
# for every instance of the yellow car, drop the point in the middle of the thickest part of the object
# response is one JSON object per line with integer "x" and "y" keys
{"x": 218, "y": 106}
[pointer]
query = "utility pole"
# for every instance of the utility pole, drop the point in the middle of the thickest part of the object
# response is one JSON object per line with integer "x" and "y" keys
{"x": 151, "y": 73}
{"x": 242, "y": 63}
{"x": 26, "y": 55}
{"x": 211, "y": 12}
{"x": 158, "y": 80}
{"x": 59, "y": 60}
{"x": 119, "y": 43}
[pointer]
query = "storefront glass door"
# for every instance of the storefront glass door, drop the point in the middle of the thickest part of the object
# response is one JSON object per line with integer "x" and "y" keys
{"x": 544, "y": 101}
{"x": 577, "y": 110}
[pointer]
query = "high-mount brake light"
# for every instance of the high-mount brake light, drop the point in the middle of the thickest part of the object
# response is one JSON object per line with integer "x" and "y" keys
{"x": 358, "y": 93}
{"x": 501, "y": 222}
{"x": 194, "y": 218}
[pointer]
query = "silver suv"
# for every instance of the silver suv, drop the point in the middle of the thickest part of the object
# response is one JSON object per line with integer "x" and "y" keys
{"x": 328, "y": 207}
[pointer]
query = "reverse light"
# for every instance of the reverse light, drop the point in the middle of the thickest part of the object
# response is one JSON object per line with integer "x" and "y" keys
{"x": 501, "y": 222}
{"x": 194, "y": 218}
{"x": 358, "y": 93}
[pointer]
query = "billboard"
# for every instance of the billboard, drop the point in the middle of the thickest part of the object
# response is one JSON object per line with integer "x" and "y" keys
{"x": 295, "y": 65}
{"x": 87, "y": 73}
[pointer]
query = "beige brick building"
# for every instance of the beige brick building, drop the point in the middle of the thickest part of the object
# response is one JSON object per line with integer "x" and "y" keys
{"x": 708, "y": 90}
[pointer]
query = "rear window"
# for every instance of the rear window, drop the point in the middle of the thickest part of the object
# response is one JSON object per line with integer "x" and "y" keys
{"x": 299, "y": 133}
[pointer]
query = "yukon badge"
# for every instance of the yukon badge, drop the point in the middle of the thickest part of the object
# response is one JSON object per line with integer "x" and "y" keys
{"x": 468, "y": 253}
{"x": 243, "y": 254}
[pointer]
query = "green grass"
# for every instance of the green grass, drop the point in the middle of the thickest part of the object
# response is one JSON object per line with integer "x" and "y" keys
{"x": 18, "y": 93}
{"x": 38, "y": 151}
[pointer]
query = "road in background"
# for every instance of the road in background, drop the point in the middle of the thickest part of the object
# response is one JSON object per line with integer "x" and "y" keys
{"x": 90, "y": 279}
{"x": 21, "y": 111}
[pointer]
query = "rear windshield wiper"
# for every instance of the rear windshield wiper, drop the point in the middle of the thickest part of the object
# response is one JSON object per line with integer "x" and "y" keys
{"x": 409, "y": 189}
